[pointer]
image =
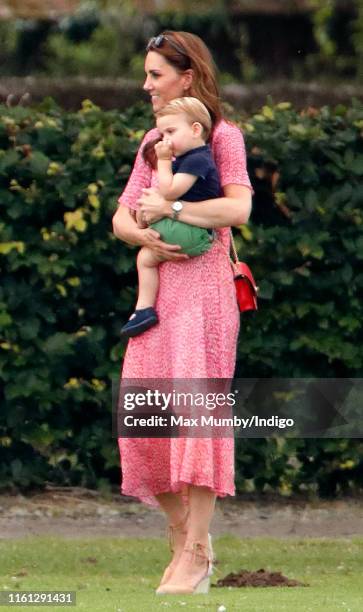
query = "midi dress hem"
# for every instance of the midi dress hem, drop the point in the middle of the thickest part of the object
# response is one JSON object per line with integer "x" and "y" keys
{"x": 180, "y": 487}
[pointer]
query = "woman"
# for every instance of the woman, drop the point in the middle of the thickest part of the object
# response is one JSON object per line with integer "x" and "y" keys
{"x": 199, "y": 318}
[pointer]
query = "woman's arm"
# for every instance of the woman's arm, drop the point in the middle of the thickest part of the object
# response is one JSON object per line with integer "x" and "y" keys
{"x": 232, "y": 209}
{"x": 125, "y": 228}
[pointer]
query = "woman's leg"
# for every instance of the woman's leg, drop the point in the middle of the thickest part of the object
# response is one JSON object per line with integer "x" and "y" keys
{"x": 191, "y": 568}
{"x": 173, "y": 506}
{"x": 177, "y": 515}
{"x": 201, "y": 507}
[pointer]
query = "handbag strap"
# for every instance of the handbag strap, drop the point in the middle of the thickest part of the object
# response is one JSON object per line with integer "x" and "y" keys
{"x": 232, "y": 251}
{"x": 233, "y": 248}
{"x": 240, "y": 268}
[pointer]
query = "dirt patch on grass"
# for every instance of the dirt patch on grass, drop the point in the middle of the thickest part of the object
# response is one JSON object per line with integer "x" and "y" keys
{"x": 76, "y": 512}
{"x": 261, "y": 578}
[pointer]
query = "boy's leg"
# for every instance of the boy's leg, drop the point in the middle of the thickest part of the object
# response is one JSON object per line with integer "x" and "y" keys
{"x": 145, "y": 315}
{"x": 147, "y": 267}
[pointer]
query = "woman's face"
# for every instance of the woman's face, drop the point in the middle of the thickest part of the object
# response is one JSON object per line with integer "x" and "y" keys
{"x": 163, "y": 82}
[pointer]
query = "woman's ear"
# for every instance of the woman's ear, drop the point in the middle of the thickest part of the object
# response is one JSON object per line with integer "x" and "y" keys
{"x": 188, "y": 78}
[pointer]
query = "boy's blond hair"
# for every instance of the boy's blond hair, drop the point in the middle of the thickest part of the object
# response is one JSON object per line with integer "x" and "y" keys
{"x": 194, "y": 110}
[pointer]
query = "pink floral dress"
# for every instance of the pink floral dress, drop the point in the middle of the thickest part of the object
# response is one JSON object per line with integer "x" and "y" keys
{"x": 196, "y": 338}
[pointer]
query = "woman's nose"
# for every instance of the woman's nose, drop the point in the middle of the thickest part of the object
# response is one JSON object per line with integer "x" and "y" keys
{"x": 146, "y": 84}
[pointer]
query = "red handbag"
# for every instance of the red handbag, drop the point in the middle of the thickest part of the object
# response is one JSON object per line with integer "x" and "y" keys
{"x": 246, "y": 288}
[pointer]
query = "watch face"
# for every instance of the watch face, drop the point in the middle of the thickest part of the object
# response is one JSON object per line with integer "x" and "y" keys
{"x": 177, "y": 206}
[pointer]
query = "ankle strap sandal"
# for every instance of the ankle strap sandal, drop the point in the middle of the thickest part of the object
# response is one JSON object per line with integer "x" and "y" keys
{"x": 197, "y": 549}
{"x": 171, "y": 529}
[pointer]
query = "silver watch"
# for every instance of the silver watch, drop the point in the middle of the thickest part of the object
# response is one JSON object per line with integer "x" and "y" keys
{"x": 177, "y": 207}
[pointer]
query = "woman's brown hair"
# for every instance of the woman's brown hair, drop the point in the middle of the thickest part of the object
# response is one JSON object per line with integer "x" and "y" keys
{"x": 185, "y": 51}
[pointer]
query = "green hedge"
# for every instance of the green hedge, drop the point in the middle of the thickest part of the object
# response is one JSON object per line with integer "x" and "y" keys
{"x": 308, "y": 253}
{"x": 67, "y": 288}
{"x": 68, "y": 285}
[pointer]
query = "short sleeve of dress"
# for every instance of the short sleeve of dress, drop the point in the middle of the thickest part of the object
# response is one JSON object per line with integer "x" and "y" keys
{"x": 229, "y": 154}
{"x": 140, "y": 176}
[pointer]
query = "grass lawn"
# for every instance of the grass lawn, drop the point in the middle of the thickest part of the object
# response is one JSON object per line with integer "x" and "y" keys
{"x": 121, "y": 575}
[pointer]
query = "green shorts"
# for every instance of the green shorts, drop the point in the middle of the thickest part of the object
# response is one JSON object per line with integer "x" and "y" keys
{"x": 193, "y": 240}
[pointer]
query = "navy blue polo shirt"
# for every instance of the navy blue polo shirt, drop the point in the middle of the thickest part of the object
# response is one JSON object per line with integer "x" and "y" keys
{"x": 199, "y": 162}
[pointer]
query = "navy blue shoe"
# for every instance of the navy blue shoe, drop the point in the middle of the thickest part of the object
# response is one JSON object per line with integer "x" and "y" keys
{"x": 139, "y": 322}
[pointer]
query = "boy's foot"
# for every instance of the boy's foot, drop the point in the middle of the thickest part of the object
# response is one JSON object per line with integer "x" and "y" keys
{"x": 139, "y": 322}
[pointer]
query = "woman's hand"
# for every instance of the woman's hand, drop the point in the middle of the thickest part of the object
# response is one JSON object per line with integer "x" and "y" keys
{"x": 153, "y": 205}
{"x": 151, "y": 239}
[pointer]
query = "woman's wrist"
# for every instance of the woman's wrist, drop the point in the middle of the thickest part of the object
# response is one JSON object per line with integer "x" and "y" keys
{"x": 142, "y": 237}
{"x": 154, "y": 205}
{"x": 135, "y": 238}
{"x": 168, "y": 211}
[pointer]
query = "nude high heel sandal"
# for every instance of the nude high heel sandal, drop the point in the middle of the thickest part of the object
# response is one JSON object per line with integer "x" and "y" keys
{"x": 202, "y": 585}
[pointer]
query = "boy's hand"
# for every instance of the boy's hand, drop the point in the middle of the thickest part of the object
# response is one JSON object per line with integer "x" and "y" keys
{"x": 163, "y": 150}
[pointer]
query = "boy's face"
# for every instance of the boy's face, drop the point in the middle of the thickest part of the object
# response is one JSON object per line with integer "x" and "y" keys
{"x": 180, "y": 132}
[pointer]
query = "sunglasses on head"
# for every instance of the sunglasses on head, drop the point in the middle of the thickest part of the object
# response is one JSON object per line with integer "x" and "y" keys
{"x": 157, "y": 41}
